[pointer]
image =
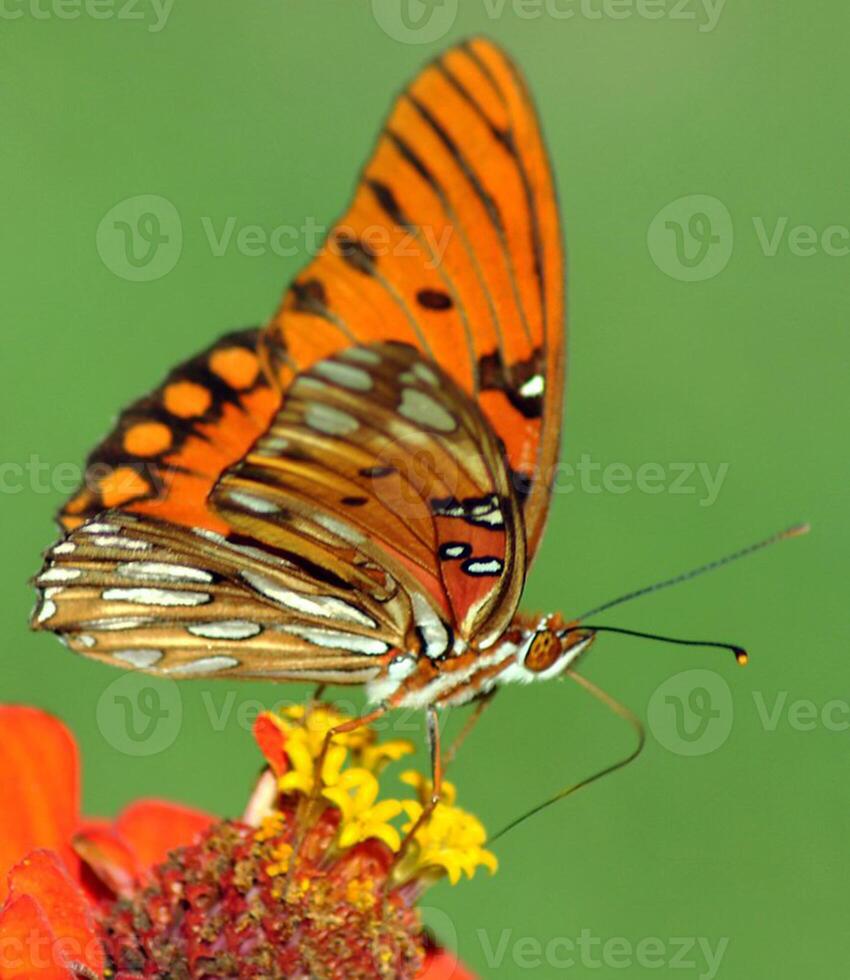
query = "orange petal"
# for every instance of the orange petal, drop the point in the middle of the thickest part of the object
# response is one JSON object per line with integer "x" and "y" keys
{"x": 27, "y": 940}
{"x": 271, "y": 740}
{"x": 58, "y": 928}
{"x": 153, "y": 828}
{"x": 440, "y": 965}
{"x": 39, "y": 784}
{"x": 109, "y": 857}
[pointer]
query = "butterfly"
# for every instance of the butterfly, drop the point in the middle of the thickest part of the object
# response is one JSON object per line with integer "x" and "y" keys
{"x": 354, "y": 493}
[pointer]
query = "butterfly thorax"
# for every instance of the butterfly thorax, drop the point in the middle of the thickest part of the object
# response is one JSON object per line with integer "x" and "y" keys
{"x": 531, "y": 649}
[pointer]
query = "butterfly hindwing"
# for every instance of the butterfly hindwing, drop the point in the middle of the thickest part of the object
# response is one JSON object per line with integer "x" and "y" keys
{"x": 381, "y": 451}
{"x": 136, "y": 592}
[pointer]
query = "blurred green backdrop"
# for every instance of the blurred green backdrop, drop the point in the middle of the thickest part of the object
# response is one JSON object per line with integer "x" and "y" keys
{"x": 712, "y": 333}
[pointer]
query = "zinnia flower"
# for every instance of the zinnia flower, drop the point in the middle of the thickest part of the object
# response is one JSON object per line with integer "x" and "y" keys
{"x": 310, "y": 883}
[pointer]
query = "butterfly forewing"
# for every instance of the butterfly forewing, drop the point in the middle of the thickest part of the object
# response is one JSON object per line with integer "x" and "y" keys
{"x": 452, "y": 245}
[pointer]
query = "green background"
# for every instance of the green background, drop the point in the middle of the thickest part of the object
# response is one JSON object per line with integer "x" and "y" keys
{"x": 264, "y": 110}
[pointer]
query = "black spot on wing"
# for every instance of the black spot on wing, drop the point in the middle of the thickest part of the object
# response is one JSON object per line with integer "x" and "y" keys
{"x": 434, "y": 299}
{"x": 355, "y": 252}
{"x": 372, "y": 472}
{"x": 522, "y": 484}
{"x": 478, "y": 511}
{"x": 309, "y": 568}
{"x": 309, "y": 296}
{"x": 495, "y": 375}
{"x": 388, "y": 203}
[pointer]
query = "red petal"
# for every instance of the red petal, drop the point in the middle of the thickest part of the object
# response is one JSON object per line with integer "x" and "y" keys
{"x": 26, "y": 941}
{"x": 66, "y": 920}
{"x": 440, "y": 965}
{"x": 271, "y": 740}
{"x": 39, "y": 783}
{"x": 109, "y": 857}
{"x": 153, "y": 828}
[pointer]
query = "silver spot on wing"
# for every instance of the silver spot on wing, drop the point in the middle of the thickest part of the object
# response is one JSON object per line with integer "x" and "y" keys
{"x": 140, "y": 657}
{"x": 226, "y": 629}
{"x": 156, "y": 597}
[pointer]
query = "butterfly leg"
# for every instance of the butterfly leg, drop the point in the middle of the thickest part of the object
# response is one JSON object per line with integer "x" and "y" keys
{"x": 618, "y": 709}
{"x": 480, "y": 704}
{"x": 306, "y": 812}
{"x": 348, "y": 726}
{"x": 433, "y": 723}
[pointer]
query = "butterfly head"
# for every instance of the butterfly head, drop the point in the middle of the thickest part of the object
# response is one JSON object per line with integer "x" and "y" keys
{"x": 550, "y": 647}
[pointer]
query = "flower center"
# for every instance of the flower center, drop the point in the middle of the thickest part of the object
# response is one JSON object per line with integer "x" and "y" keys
{"x": 230, "y": 906}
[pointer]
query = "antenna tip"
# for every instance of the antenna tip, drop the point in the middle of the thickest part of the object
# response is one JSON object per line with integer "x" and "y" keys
{"x": 741, "y": 656}
{"x": 797, "y": 530}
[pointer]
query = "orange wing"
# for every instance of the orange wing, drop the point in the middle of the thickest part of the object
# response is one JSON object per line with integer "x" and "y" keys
{"x": 151, "y": 595}
{"x": 452, "y": 244}
{"x": 373, "y": 519}
{"x": 378, "y": 453}
{"x": 169, "y": 448}
{"x": 449, "y": 260}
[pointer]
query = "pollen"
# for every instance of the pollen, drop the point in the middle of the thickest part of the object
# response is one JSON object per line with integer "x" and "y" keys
{"x": 282, "y": 855}
{"x": 271, "y": 827}
{"x": 361, "y": 893}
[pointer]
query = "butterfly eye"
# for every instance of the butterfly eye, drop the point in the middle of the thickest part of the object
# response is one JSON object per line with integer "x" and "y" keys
{"x": 543, "y": 652}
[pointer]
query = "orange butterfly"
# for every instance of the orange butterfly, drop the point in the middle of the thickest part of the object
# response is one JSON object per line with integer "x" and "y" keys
{"x": 354, "y": 493}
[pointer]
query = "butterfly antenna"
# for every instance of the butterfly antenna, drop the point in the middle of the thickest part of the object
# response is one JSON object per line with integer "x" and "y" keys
{"x": 741, "y": 654}
{"x": 791, "y": 532}
{"x": 621, "y": 711}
